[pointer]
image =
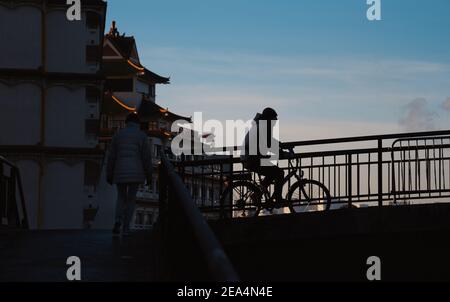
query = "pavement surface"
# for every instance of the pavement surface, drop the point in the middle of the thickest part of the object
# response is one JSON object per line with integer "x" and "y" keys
{"x": 40, "y": 256}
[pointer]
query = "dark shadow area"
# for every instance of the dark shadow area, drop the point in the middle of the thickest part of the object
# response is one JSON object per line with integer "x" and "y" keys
{"x": 40, "y": 256}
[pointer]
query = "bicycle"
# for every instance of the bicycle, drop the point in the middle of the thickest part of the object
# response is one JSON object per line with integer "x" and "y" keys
{"x": 247, "y": 195}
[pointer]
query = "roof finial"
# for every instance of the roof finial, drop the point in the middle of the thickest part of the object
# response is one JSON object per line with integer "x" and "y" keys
{"x": 113, "y": 30}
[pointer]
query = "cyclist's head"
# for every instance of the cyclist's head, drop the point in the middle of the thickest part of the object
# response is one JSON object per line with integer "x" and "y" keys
{"x": 132, "y": 118}
{"x": 269, "y": 114}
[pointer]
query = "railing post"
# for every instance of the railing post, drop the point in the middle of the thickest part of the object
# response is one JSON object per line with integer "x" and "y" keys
{"x": 380, "y": 172}
{"x": 24, "y": 222}
{"x": 162, "y": 192}
{"x": 2, "y": 194}
{"x": 11, "y": 207}
{"x": 349, "y": 180}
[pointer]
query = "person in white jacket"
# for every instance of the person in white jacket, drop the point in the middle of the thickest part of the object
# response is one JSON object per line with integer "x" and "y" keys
{"x": 129, "y": 165}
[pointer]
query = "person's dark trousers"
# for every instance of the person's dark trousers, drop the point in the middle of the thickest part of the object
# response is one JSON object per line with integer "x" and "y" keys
{"x": 272, "y": 174}
{"x": 126, "y": 202}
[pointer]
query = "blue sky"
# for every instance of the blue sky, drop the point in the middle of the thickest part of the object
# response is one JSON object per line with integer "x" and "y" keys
{"x": 325, "y": 68}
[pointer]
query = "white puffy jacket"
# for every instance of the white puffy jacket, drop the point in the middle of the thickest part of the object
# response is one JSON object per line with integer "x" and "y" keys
{"x": 129, "y": 159}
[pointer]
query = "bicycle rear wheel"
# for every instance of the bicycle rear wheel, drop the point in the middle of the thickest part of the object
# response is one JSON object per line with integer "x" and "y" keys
{"x": 308, "y": 196}
{"x": 245, "y": 198}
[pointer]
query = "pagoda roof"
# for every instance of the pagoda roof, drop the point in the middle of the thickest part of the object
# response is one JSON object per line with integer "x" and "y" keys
{"x": 121, "y": 58}
{"x": 125, "y": 45}
{"x": 113, "y": 107}
{"x": 117, "y": 68}
{"x": 150, "y": 76}
{"x": 149, "y": 110}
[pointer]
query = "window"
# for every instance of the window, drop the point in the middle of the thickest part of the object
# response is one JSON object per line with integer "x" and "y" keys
{"x": 149, "y": 219}
{"x": 152, "y": 90}
{"x": 92, "y": 95}
{"x": 92, "y": 53}
{"x": 139, "y": 218}
{"x": 91, "y": 173}
{"x": 92, "y": 20}
{"x": 150, "y": 187}
{"x": 157, "y": 151}
{"x": 106, "y": 120}
{"x": 194, "y": 191}
{"x": 153, "y": 125}
{"x": 119, "y": 85}
{"x": 211, "y": 194}
{"x": 117, "y": 124}
{"x": 203, "y": 197}
{"x": 91, "y": 127}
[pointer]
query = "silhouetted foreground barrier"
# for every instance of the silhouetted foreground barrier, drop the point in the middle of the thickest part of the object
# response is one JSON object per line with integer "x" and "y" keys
{"x": 188, "y": 249}
{"x": 12, "y": 213}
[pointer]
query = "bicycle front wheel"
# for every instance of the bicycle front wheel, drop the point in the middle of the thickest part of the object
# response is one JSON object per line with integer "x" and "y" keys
{"x": 244, "y": 197}
{"x": 308, "y": 196}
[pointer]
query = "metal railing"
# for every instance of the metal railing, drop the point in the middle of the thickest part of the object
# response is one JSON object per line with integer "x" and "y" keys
{"x": 421, "y": 168}
{"x": 360, "y": 171}
{"x": 189, "y": 250}
{"x": 12, "y": 213}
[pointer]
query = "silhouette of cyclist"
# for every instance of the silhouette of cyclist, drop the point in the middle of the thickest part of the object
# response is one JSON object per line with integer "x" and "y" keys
{"x": 252, "y": 162}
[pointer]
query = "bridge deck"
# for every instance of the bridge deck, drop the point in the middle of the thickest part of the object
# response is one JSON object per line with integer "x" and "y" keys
{"x": 411, "y": 241}
{"x": 41, "y": 256}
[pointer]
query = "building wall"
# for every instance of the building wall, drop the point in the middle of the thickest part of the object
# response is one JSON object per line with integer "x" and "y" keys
{"x": 106, "y": 201}
{"x": 63, "y": 192}
{"x": 62, "y": 203}
{"x": 20, "y": 36}
{"x": 20, "y": 114}
{"x": 65, "y": 41}
{"x": 66, "y": 44}
{"x": 67, "y": 111}
{"x": 142, "y": 87}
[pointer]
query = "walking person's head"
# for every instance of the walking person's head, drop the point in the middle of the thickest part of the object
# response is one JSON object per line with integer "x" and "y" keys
{"x": 132, "y": 118}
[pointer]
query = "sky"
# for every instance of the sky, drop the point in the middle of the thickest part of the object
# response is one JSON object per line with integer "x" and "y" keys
{"x": 326, "y": 69}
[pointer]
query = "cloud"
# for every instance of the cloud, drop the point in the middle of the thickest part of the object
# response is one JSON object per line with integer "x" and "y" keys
{"x": 419, "y": 116}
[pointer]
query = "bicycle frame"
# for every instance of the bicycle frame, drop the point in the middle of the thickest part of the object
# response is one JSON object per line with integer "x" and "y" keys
{"x": 286, "y": 179}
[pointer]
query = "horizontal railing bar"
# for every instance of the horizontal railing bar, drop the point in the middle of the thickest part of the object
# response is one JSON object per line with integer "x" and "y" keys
{"x": 354, "y": 139}
{"x": 306, "y": 155}
{"x": 364, "y": 138}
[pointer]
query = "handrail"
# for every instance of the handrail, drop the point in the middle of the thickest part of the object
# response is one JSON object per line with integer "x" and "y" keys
{"x": 218, "y": 263}
{"x": 235, "y": 160}
{"x": 353, "y": 139}
{"x": 365, "y": 138}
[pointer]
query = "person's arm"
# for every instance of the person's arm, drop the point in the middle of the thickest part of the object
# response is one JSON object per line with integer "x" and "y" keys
{"x": 111, "y": 161}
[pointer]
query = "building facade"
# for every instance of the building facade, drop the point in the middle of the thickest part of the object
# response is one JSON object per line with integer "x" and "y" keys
{"x": 50, "y": 94}
{"x": 131, "y": 87}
